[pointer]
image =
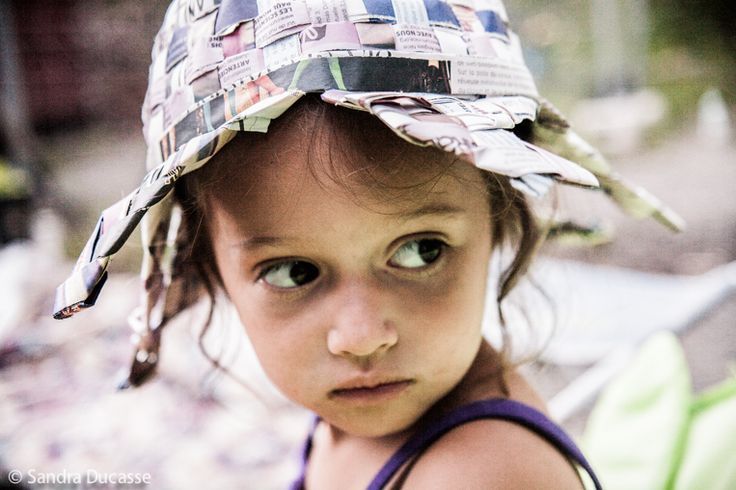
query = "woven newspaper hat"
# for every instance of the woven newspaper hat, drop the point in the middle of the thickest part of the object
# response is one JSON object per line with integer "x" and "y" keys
{"x": 442, "y": 73}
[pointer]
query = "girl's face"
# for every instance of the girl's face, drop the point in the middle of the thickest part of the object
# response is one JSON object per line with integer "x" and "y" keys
{"x": 363, "y": 306}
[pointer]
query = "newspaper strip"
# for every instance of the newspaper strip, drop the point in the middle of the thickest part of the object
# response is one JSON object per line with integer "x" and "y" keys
{"x": 204, "y": 57}
{"x": 178, "y": 102}
{"x": 489, "y": 77}
{"x": 490, "y": 46}
{"x": 327, "y": 11}
{"x": 518, "y": 107}
{"x": 412, "y": 37}
{"x": 494, "y": 5}
{"x": 501, "y": 151}
{"x": 282, "y": 52}
{"x": 451, "y": 41}
{"x": 241, "y": 39}
{"x": 469, "y": 22}
{"x": 327, "y": 37}
{"x": 231, "y": 14}
{"x": 475, "y": 117}
{"x": 370, "y": 11}
{"x": 376, "y": 35}
{"x": 200, "y": 8}
{"x": 411, "y": 12}
{"x": 240, "y": 66}
{"x": 178, "y": 49}
{"x": 280, "y": 20}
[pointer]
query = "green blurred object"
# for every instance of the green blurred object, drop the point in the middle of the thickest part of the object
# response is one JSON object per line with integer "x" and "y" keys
{"x": 709, "y": 456}
{"x": 13, "y": 182}
{"x": 15, "y": 203}
{"x": 648, "y": 431}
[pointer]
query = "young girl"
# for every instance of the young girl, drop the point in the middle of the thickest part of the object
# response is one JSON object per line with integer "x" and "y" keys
{"x": 357, "y": 260}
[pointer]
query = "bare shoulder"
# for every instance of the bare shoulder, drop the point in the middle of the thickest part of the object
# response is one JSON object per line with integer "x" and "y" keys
{"x": 493, "y": 454}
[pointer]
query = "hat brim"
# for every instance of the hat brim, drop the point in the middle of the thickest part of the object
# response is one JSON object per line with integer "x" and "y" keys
{"x": 478, "y": 129}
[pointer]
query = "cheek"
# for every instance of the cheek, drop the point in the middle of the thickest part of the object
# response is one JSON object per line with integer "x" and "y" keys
{"x": 284, "y": 344}
{"x": 451, "y": 308}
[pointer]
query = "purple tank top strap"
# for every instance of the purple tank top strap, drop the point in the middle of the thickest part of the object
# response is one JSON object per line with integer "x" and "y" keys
{"x": 299, "y": 483}
{"x": 497, "y": 408}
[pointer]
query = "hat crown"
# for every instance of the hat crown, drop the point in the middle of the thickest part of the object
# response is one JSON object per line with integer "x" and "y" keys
{"x": 213, "y": 59}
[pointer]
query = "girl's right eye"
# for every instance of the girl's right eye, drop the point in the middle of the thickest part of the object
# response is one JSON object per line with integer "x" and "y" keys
{"x": 289, "y": 275}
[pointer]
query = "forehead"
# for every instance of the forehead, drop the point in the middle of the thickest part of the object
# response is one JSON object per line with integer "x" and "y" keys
{"x": 322, "y": 150}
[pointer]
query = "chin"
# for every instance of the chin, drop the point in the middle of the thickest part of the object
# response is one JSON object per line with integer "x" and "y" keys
{"x": 375, "y": 424}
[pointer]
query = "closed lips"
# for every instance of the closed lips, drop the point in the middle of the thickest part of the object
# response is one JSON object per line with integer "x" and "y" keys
{"x": 370, "y": 387}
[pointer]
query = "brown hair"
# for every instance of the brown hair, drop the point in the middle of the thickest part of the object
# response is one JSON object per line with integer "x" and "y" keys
{"x": 512, "y": 220}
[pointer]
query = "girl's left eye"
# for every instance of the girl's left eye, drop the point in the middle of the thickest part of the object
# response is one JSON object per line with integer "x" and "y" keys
{"x": 418, "y": 253}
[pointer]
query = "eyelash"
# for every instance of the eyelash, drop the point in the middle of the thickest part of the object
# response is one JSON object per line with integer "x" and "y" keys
{"x": 421, "y": 270}
{"x": 442, "y": 249}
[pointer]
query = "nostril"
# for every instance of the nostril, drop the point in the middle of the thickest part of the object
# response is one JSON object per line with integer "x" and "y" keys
{"x": 361, "y": 339}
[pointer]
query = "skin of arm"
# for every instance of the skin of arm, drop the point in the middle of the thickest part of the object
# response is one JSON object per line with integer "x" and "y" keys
{"x": 492, "y": 454}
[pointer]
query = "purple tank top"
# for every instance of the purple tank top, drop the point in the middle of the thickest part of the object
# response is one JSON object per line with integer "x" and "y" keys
{"x": 496, "y": 408}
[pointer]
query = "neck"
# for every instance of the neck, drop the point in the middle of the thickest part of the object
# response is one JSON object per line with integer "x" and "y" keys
{"x": 485, "y": 379}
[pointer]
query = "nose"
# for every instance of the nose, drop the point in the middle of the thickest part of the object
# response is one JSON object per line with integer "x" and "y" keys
{"x": 361, "y": 328}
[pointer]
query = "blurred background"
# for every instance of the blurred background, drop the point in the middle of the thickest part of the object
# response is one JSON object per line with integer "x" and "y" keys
{"x": 650, "y": 82}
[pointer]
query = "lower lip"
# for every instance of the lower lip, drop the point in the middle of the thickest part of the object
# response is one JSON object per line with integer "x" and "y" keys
{"x": 372, "y": 395}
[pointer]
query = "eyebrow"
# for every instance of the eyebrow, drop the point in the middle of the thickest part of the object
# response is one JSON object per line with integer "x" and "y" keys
{"x": 258, "y": 242}
{"x": 435, "y": 209}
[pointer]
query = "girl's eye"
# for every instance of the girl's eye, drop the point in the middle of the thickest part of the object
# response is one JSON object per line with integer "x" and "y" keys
{"x": 418, "y": 253}
{"x": 291, "y": 274}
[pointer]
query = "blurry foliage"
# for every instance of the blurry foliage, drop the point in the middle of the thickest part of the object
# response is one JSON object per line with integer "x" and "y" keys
{"x": 704, "y": 27}
{"x": 692, "y": 47}
{"x": 557, "y": 46}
